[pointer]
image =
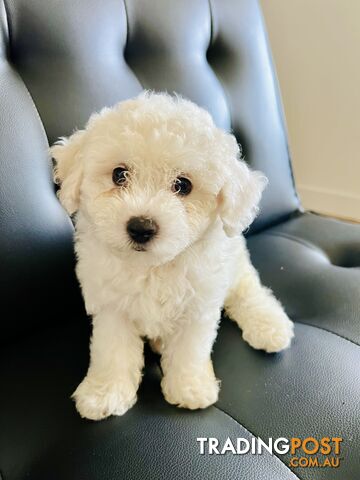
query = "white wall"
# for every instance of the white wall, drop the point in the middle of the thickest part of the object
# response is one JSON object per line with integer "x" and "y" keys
{"x": 316, "y": 49}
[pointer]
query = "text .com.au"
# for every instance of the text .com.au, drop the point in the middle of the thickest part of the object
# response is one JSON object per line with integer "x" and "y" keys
{"x": 305, "y": 452}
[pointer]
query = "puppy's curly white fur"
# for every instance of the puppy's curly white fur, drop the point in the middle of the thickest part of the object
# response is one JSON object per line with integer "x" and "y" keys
{"x": 161, "y": 197}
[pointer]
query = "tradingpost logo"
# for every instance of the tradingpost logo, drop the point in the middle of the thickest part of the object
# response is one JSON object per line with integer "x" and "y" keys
{"x": 309, "y": 452}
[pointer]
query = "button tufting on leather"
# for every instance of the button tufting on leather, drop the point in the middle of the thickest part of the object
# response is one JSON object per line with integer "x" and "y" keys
{"x": 167, "y": 47}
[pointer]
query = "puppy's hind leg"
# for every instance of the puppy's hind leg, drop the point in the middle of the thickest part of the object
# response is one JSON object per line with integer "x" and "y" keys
{"x": 264, "y": 323}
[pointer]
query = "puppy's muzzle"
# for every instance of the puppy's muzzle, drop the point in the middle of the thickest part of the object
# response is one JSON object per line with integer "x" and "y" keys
{"x": 141, "y": 229}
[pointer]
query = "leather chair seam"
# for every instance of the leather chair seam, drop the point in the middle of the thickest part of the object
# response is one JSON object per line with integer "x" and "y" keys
{"x": 329, "y": 331}
{"x": 281, "y": 113}
{"x": 42, "y": 128}
{"x": 9, "y": 31}
{"x": 127, "y": 43}
{"x": 251, "y": 433}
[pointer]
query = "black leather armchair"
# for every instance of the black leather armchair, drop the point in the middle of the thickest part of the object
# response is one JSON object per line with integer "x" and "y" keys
{"x": 60, "y": 61}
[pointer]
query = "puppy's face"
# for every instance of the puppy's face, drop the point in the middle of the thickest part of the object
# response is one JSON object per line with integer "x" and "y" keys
{"x": 151, "y": 175}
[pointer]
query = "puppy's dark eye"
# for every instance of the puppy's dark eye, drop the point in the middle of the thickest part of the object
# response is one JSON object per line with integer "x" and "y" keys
{"x": 119, "y": 175}
{"x": 182, "y": 186}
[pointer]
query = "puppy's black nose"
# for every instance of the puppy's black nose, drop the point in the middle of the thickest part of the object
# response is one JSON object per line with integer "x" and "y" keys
{"x": 141, "y": 229}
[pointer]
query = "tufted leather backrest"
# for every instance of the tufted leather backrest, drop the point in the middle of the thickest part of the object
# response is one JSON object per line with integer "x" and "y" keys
{"x": 62, "y": 60}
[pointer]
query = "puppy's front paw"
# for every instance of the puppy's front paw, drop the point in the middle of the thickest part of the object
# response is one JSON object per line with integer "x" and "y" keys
{"x": 96, "y": 399}
{"x": 192, "y": 390}
{"x": 271, "y": 331}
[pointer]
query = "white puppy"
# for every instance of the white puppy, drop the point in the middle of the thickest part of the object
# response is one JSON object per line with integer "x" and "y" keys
{"x": 161, "y": 197}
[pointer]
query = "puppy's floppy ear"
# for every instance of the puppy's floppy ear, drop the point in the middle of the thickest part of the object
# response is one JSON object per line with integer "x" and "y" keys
{"x": 68, "y": 170}
{"x": 241, "y": 193}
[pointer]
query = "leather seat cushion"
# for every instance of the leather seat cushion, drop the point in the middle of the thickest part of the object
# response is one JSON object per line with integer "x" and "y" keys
{"x": 311, "y": 389}
{"x": 42, "y": 436}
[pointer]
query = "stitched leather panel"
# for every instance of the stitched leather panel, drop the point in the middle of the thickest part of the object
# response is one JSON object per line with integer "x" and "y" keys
{"x": 71, "y": 57}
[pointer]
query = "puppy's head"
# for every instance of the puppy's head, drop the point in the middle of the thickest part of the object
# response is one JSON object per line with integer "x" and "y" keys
{"x": 151, "y": 174}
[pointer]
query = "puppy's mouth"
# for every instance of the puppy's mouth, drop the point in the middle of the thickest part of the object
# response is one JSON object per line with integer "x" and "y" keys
{"x": 138, "y": 248}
